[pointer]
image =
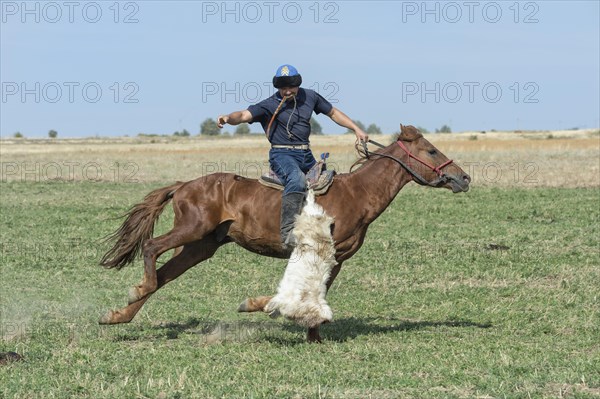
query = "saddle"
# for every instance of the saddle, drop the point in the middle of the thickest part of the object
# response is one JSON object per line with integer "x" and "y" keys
{"x": 318, "y": 178}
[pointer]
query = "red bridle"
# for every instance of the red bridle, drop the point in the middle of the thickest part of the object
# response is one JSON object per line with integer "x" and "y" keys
{"x": 436, "y": 169}
{"x": 442, "y": 178}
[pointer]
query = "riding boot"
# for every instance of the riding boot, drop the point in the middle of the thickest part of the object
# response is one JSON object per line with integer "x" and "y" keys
{"x": 291, "y": 205}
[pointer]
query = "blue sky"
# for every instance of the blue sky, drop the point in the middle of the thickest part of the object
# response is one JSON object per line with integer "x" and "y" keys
{"x": 108, "y": 69}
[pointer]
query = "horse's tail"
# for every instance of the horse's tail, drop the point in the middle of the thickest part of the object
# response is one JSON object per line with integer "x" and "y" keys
{"x": 137, "y": 228}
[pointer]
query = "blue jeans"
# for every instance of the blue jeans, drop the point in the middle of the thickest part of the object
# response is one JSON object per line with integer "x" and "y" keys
{"x": 290, "y": 166}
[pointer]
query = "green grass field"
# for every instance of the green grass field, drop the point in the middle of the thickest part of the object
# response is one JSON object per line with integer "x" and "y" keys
{"x": 490, "y": 294}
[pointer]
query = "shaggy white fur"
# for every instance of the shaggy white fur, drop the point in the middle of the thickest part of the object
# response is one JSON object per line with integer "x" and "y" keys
{"x": 301, "y": 292}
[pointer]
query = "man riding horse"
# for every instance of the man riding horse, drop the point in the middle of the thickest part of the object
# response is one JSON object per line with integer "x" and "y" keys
{"x": 285, "y": 118}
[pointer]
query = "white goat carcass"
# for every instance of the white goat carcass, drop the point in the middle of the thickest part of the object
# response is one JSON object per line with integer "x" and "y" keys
{"x": 301, "y": 292}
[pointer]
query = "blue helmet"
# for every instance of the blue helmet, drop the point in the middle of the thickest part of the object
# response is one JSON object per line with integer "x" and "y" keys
{"x": 287, "y": 76}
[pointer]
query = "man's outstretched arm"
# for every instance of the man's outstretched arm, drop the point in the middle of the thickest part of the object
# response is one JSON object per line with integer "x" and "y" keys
{"x": 234, "y": 118}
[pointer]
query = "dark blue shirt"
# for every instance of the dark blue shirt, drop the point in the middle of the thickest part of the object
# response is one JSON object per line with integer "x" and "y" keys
{"x": 297, "y": 120}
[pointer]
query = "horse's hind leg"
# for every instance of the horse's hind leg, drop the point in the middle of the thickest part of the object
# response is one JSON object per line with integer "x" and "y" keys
{"x": 190, "y": 255}
{"x": 185, "y": 231}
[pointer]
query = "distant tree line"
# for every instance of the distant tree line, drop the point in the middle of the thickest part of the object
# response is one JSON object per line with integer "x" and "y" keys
{"x": 371, "y": 129}
{"x": 374, "y": 129}
{"x": 183, "y": 133}
{"x": 444, "y": 129}
{"x": 209, "y": 128}
{"x": 51, "y": 133}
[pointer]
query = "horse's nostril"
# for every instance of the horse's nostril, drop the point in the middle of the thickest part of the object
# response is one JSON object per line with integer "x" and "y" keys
{"x": 467, "y": 178}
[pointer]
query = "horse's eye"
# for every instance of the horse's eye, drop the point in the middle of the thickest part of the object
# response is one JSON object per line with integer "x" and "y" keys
{"x": 432, "y": 152}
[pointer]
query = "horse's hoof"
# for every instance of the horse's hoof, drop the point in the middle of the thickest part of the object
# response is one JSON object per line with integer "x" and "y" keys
{"x": 314, "y": 340}
{"x": 274, "y": 314}
{"x": 313, "y": 336}
{"x": 107, "y": 318}
{"x": 243, "y": 306}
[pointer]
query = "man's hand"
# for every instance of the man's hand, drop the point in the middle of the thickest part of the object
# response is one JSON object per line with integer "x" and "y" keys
{"x": 234, "y": 118}
{"x": 361, "y": 135}
{"x": 222, "y": 120}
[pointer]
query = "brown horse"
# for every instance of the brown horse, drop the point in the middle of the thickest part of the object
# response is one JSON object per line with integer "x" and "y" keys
{"x": 221, "y": 208}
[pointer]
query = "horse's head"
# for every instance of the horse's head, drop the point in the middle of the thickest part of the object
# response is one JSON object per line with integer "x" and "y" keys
{"x": 429, "y": 162}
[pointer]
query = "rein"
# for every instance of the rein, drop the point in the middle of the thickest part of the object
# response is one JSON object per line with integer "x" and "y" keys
{"x": 442, "y": 178}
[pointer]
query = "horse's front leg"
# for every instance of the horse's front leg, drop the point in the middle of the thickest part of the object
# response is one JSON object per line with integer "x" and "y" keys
{"x": 256, "y": 304}
{"x": 259, "y": 303}
{"x": 313, "y": 335}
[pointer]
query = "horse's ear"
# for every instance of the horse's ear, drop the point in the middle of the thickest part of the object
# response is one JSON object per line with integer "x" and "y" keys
{"x": 409, "y": 133}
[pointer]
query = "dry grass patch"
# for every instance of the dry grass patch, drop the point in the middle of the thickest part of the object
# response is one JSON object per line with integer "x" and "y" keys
{"x": 569, "y": 159}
